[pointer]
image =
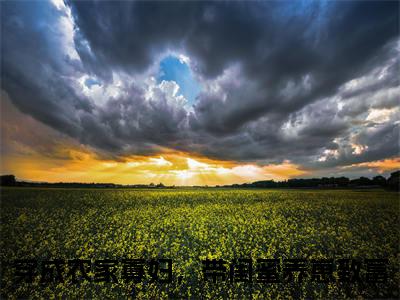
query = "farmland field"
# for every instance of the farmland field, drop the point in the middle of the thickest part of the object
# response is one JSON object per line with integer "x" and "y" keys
{"x": 192, "y": 225}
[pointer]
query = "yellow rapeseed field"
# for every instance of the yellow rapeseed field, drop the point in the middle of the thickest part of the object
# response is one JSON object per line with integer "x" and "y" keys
{"x": 192, "y": 225}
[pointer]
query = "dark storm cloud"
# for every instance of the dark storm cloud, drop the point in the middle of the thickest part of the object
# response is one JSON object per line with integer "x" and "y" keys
{"x": 381, "y": 142}
{"x": 273, "y": 76}
{"x": 33, "y": 69}
{"x": 274, "y": 42}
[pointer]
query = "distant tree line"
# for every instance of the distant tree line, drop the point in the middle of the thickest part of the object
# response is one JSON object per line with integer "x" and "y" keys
{"x": 10, "y": 180}
{"x": 393, "y": 183}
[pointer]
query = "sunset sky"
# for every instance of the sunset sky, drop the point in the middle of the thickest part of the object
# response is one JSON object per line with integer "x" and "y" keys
{"x": 199, "y": 93}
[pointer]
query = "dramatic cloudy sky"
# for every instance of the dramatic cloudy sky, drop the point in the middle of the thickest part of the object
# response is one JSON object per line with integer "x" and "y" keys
{"x": 199, "y": 92}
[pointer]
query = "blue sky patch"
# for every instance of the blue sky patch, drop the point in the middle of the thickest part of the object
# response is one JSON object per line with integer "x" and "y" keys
{"x": 89, "y": 82}
{"x": 171, "y": 68}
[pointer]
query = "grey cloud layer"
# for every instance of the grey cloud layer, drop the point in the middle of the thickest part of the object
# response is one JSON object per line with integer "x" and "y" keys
{"x": 274, "y": 76}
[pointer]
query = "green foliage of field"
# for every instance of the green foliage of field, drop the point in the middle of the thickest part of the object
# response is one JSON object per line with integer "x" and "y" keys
{"x": 190, "y": 225}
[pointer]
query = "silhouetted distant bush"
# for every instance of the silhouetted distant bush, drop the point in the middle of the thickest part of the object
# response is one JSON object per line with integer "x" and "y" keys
{"x": 7, "y": 180}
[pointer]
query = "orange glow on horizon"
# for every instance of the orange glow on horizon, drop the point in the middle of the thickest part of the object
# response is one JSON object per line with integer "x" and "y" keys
{"x": 169, "y": 168}
{"x": 380, "y": 166}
